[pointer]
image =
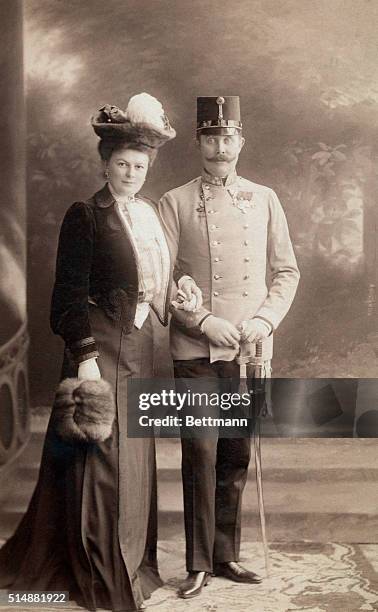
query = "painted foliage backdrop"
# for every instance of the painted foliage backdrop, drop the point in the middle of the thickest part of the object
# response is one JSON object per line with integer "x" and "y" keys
{"x": 307, "y": 76}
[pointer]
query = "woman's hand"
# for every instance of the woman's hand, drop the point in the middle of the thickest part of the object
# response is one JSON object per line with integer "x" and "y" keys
{"x": 89, "y": 370}
{"x": 189, "y": 295}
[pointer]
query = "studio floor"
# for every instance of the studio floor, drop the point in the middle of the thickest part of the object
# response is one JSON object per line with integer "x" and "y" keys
{"x": 304, "y": 576}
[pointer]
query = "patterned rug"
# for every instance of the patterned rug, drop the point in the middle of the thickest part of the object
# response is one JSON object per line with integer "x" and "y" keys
{"x": 304, "y": 576}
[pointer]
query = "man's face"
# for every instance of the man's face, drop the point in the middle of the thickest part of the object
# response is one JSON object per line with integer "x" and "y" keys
{"x": 220, "y": 154}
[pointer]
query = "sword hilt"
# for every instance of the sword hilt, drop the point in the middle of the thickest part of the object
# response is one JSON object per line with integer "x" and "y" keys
{"x": 259, "y": 349}
{"x": 247, "y": 356}
{"x": 259, "y": 360}
{"x": 254, "y": 360}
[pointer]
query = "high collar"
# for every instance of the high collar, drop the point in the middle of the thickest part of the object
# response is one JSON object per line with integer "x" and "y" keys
{"x": 105, "y": 198}
{"x": 219, "y": 181}
{"x": 121, "y": 199}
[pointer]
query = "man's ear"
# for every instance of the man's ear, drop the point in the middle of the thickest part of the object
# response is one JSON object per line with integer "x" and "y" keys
{"x": 242, "y": 141}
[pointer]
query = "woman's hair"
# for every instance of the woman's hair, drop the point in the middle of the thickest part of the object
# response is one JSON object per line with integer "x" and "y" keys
{"x": 107, "y": 146}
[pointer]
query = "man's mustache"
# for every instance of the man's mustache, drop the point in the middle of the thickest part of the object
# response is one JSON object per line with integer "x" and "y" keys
{"x": 221, "y": 158}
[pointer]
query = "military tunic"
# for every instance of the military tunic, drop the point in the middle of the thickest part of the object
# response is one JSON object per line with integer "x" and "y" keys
{"x": 233, "y": 240}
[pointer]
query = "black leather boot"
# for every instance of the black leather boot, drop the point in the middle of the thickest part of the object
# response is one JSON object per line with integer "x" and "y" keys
{"x": 235, "y": 572}
{"x": 193, "y": 584}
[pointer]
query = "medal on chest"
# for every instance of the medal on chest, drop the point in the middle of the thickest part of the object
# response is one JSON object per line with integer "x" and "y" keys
{"x": 242, "y": 200}
{"x": 205, "y": 196}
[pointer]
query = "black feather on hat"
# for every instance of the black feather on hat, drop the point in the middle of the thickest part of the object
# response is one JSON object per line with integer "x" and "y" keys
{"x": 143, "y": 122}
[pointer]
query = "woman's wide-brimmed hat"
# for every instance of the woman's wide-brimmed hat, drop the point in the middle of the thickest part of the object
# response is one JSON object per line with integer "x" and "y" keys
{"x": 144, "y": 122}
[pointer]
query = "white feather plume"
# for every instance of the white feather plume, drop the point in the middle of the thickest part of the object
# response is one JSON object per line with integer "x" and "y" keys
{"x": 144, "y": 108}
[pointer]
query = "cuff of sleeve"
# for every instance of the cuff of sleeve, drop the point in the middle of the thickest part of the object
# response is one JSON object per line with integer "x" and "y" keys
{"x": 89, "y": 358}
{"x": 202, "y": 321}
{"x": 82, "y": 350}
{"x": 269, "y": 315}
{"x": 267, "y": 323}
{"x": 189, "y": 319}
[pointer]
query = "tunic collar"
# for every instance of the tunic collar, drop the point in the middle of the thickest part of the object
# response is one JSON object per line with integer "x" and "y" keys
{"x": 217, "y": 180}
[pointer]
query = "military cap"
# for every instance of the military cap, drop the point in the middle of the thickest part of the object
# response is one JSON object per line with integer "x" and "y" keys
{"x": 218, "y": 115}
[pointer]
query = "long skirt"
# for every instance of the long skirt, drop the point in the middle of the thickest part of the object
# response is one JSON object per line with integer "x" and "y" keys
{"x": 91, "y": 526}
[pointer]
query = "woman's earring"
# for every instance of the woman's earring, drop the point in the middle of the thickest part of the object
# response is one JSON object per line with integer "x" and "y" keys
{"x": 106, "y": 174}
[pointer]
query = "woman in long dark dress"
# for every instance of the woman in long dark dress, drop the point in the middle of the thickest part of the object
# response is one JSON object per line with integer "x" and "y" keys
{"x": 91, "y": 527}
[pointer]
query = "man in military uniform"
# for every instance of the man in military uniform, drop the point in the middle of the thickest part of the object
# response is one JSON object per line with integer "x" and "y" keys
{"x": 230, "y": 236}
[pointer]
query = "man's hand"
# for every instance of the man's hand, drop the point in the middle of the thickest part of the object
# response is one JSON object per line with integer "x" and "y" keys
{"x": 189, "y": 296}
{"x": 254, "y": 330}
{"x": 221, "y": 332}
{"x": 89, "y": 370}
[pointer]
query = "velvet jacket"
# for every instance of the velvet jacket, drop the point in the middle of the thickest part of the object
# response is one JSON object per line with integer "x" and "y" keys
{"x": 96, "y": 262}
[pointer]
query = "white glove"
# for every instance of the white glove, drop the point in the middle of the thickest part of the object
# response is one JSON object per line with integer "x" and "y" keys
{"x": 221, "y": 332}
{"x": 254, "y": 330}
{"x": 89, "y": 370}
{"x": 189, "y": 295}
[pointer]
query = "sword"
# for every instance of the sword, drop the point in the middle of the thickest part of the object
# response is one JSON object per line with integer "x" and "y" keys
{"x": 252, "y": 368}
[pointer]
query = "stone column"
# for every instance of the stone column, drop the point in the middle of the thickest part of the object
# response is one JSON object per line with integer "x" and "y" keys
{"x": 14, "y": 410}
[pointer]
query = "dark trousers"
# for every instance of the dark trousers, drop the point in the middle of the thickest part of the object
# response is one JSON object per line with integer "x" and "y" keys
{"x": 214, "y": 473}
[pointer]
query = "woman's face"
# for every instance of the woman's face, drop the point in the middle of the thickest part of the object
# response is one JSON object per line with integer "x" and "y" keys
{"x": 127, "y": 170}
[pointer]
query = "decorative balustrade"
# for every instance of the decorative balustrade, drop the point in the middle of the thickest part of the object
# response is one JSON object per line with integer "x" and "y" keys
{"x": 14, "y": 395}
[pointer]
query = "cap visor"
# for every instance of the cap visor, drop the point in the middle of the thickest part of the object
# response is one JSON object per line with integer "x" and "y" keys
{"x": 220, "y": 131}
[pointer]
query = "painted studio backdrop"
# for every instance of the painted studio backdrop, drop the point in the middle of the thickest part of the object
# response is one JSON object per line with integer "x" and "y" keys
{"x": 307, "y": 76}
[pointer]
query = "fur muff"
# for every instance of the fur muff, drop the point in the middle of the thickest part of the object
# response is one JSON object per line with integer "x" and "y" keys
{"x": 84, "y": 410}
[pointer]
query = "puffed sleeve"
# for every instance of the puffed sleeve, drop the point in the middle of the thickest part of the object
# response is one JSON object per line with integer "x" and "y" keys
{"x": 168, "y": 211}
{"x": 69, "y": 316}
